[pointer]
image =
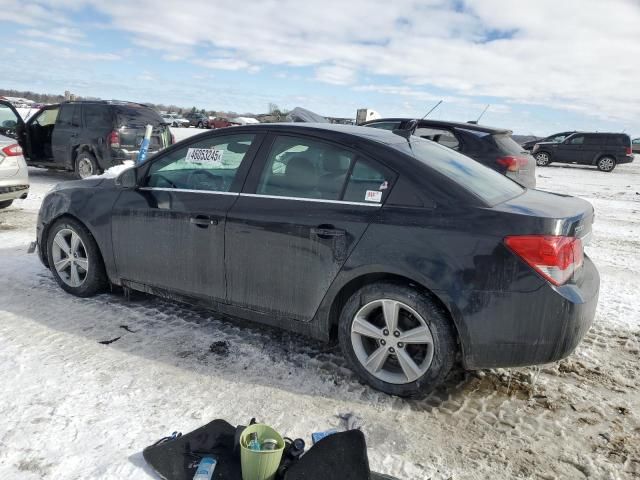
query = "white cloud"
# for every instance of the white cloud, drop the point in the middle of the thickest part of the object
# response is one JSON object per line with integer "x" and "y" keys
{"x": 578, "y": 55}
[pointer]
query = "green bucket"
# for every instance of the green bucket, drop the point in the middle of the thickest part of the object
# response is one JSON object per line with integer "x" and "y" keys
{"x": 262, "y": 464}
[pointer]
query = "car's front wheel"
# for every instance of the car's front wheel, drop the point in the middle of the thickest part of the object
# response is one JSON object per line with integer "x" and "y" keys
{"x": 74, "y": 258}
{"x": 200, "y": 125}
{"x": 542, "y": 159}
{"x": 606, "y": 164}
{"x": 397, "y": 339}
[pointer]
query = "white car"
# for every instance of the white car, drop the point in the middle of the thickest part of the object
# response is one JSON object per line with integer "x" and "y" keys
{"x": 175, "y": 120}
{"x": 14, "y": 176}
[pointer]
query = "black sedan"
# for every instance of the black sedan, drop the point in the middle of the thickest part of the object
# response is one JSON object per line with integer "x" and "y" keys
{"x": 409, "y": 253}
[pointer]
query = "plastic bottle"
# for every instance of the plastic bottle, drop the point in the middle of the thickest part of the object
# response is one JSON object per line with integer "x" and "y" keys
{"x": 205, "y": 469}
{"x": 253, "y": 444}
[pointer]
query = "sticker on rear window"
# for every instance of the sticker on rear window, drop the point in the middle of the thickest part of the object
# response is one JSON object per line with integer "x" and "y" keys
{"x": 373, "y": 196}
{"x": 206, "y": 156}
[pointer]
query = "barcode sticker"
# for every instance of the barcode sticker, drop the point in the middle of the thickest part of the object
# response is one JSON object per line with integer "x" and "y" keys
{"x": 204, "y": 156}
{"x": 373, "y": 196}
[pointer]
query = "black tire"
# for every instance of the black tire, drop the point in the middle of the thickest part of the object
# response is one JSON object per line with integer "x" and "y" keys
{"x": 95, "y": 279}
{"x": 86, "y": 165}
{"x": 606, "y": 164}
{"x": 543, "y": 159}
{"x": 440, "y": 326}
{"x": 200, "y": 125}
{"x": 5, "y": 204}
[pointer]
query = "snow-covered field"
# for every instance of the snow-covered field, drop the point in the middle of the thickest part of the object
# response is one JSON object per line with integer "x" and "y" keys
{"x": 73, "y": 408}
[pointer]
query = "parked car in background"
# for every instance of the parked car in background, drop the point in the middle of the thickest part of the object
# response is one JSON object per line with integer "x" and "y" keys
{"x": 14, "y": 176}
{"x": 492, "y": 147}
{"x": 409, "y": 253}
{"x": 222, "y": 122}
{"x": 89, "y": 136}
{"x": 604, "y": 150}
{"x": 555, "y": 138}
{"x": 635, "y": 145}
{"x": 175, "y": 120}
{"x": 198, "y": 120}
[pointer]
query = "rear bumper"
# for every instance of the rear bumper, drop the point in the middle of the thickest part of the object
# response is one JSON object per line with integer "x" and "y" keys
{"x": 626, "y": 159}
{"x": 530, "y": 328}
{"x": 14, "y": 191}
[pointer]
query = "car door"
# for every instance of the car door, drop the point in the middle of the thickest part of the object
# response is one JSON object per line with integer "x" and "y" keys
{"x": 65, "y": 133}
{"x": 12, "y": 125}
{"x": 296, "y": 223}
{"x": 570, "y": 150}
{"x": 169, "y": 232}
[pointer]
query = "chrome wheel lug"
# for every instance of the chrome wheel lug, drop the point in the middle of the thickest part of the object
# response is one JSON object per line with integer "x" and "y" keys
{"x": 382, "y": 342}
{"x": 400, "y": 345}
{"x": 396, "y": 334}
{"x": 385, "y": 332}
{"x": 392, "y": 350}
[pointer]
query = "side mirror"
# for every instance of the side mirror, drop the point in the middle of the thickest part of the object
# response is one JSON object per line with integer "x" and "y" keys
{"x": 128, "y": 178}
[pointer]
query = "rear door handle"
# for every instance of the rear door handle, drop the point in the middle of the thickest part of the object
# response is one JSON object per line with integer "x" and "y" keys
{"x": 328, "y": 232}
{"x": 203, "y": 221}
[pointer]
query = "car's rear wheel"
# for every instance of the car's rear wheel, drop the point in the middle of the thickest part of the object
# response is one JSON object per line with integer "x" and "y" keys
{"x": 543, "y": 159}
{"x": 86, "y": 165}
{"x": 74, "y": 258}
{"x": 606, "y": 164}
{"x": 397, "y": 339}
{"x": 5, "y": 204}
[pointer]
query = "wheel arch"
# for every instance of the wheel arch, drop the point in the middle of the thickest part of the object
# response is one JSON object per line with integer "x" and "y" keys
{"x": 44, "y": 247}
{"x": 346, "y": 290}
{"x": 600, "y": 156}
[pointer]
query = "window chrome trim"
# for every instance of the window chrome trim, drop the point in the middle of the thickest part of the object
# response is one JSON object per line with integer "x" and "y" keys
{"x": 318, "y": 200}
{"x": 187, "y": 190}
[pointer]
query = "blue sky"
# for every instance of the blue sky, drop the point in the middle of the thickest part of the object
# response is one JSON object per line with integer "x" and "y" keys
{"x": 543, "y": 65}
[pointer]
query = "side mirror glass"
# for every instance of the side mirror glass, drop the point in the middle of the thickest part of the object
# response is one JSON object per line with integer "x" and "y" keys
{"x": 128, "y": 178}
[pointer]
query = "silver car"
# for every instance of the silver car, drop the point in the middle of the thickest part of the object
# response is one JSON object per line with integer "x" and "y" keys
{"x": 14, "y": 176}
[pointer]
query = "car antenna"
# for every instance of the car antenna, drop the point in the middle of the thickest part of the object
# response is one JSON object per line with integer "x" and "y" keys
{"x": 475, "y": 122}
{"x": 432, "y": 109}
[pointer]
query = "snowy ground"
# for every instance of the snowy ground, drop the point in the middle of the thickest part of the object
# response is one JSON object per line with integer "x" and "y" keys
{"x": 73, "y": 408}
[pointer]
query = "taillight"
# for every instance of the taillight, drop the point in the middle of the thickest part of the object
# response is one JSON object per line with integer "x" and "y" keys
{"x": 629, "y": 151}
{"x": 12, "y": 150}
{"x": 173, "y": 138}
{"x": 554, "y": 257}
{"x": 512, "y": 163}
{"x": 114, "y": 139}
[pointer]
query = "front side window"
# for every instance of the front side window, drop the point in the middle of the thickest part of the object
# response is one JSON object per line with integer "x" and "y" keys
{"x": 576, "y": 140}
{"x": 557, "y": 138}
{"x": 305, "y": 168}
{"x": 210, "y": 164}
{"x": 47, "y": 117}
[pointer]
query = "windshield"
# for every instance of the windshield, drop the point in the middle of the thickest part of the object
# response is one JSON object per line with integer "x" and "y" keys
{"x": 487, "y": 184}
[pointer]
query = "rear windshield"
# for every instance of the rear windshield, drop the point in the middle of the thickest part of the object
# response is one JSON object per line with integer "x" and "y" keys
{"x": 487, "y": 184}
{"x": 508, "y": 145}
{"x": 137, "y": 116}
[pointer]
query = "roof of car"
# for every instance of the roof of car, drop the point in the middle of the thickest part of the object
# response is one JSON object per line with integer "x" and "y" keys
{"x": 444, "y": 123}
{"x": 375, "y": 134}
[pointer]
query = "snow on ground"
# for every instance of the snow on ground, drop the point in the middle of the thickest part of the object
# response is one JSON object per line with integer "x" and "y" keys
{"x": 74, "y": 408}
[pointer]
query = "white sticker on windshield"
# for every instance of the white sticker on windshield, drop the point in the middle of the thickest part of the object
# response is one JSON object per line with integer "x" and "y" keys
{"x": 373, "y": 196}
{"x": 206, "y": 156}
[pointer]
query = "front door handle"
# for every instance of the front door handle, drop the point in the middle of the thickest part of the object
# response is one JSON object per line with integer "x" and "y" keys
{"x": 202, "y": 221}
{"x": 328, "y": 232}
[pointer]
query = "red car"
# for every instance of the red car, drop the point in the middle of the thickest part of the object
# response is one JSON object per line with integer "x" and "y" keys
{"x": 222, "y": 122}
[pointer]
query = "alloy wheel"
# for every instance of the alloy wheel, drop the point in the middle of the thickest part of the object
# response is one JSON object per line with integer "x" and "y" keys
{"x": 606, "y": 164}
{"x": 70, "y": 257}
{"x": 392, "y": 341}
{"x": 85, "y": 168}
{"x": 542, "y": 159}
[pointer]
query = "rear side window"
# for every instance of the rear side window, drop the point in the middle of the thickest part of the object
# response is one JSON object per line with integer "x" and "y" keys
{"x": 485, "y": 183}
{"x": 305, "y": 168}
{"x": 594, "y": 140}
{"x": 368, "y": 182}
{"x": 137, "y": 116}
{"x": 618, "y": 140}
{"x": 97, "y": 116}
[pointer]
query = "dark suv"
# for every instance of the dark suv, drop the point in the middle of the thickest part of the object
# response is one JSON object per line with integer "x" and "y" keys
{"x": 555, "y": 138}
{"x": 198, "y": 120}
{"x": 90, "y": 136}
{"x": 604, "y": 150}
{"x": 493, "y": 147}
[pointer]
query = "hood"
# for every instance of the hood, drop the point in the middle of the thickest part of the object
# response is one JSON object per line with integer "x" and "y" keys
{"x": 86, "y": 183}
